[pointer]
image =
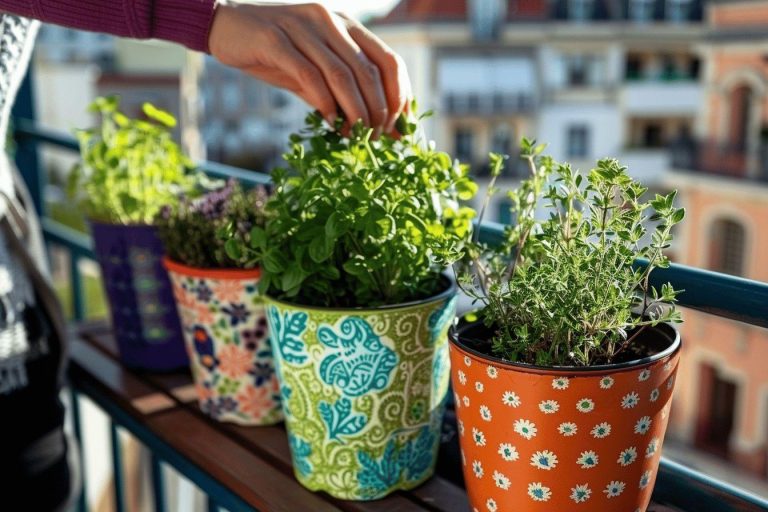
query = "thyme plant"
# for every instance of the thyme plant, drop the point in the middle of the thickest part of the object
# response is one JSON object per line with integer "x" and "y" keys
{"x": 564, "y": 290}
{"x": 360, "y": 222}
{"x": 195, "y": 232}
{"x": 130, "y": 168}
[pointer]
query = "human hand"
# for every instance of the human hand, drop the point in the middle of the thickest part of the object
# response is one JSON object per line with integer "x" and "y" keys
{"x": 329, "y": 60}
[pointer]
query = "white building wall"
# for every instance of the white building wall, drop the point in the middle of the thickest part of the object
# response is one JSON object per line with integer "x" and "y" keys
{"x": 604, "y": 122}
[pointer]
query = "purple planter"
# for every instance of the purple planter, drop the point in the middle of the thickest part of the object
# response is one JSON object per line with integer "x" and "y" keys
{"x": 144, "y": 317}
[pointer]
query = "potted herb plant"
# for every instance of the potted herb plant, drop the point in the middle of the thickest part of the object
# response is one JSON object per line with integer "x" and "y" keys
{"x": 563, "y": 387}
{"x": 222, "y": 314}
{"x": 130, "y": 169}
{"x": 353, "y": 251}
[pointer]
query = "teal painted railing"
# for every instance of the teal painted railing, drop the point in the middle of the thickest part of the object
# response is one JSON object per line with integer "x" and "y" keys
{"x": 725, "y": 296}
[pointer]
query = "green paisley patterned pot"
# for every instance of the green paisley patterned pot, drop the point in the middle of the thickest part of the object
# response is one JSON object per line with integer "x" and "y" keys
{"x": 363, "y": 392}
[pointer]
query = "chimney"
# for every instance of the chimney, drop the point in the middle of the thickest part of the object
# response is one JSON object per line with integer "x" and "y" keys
{"x": 487, "y": 18}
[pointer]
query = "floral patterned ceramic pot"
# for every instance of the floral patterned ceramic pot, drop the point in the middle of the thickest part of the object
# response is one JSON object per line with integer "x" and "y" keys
{"x": 544, "y": 439}
{"x": 363, "y": 392}
{"x": 227, "y": 339}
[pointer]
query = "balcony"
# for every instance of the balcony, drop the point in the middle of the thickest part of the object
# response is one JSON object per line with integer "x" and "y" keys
{"x": 496, "y": 104}
{"x": 249, "y": 469}
{"x": 661, "y": 98}
{"x": 718, "y": 159}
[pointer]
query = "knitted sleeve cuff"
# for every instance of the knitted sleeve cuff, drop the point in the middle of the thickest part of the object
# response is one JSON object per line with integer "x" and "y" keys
{"x": 186, "y": 22}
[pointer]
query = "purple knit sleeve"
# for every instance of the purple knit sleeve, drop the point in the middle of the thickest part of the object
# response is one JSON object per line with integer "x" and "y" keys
{"x": 186, "y": 22}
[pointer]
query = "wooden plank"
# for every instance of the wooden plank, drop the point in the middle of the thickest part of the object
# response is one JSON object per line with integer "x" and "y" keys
{"x": 270, "y": 445}
{"x": 253, "y": 479}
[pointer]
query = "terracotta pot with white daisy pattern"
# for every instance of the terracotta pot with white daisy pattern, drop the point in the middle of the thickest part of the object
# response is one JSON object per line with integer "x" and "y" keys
{"x": 578, "y": 439}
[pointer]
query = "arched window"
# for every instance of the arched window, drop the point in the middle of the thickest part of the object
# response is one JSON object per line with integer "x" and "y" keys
{"x": 727, "y": 247}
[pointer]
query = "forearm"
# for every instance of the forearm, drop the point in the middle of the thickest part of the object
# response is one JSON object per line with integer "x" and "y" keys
{"x": 186, "y": 22}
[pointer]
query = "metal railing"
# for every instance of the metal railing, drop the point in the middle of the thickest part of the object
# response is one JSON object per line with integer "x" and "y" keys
{"x": 726, "y": 296}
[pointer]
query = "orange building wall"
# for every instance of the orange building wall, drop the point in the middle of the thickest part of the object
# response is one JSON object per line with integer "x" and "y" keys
{"x": 738, "y": 351}
{"x": 739, "y": 14}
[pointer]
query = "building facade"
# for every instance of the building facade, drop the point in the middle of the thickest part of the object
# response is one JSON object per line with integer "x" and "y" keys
{"x": 721, "y": 405}
{"x": 591, "y": 78}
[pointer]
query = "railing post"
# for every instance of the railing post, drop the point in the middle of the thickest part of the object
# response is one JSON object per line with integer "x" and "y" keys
{"x": 82, "y": 501}
{"x": 117, "y": 467}
{"x": 27, "y": 158}
{"x": 76, "y": 281}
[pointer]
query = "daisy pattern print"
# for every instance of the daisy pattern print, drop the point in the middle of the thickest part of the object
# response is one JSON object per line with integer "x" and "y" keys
{"x": 585, "y": 405}
{"x": 544, "y": 460}
{"x": 615, "y": 488}
{"x": 568, "y": 429}
{"x": 587, "y": 459}
{"x": 490, "y": 504}
{"x": 645, "y": 479}
{"x": 544, "y": 441}
{"x": 511, "y": 399}
{"x": 628, "y": 456}
{"x": 601, "y": 430}
{"x": 581, "y": 493}
{"x": 538, "y": 492}
{"x": 462, "y": 377}
{"x": 478, "y": 436}
{"x": 643, "y": 425}
{"x": 525, "y": 428}
{"x": 549, "y": 406}
{"x": 502, "y": 482}
{"x": 630, "y": 400}
{"x": 508, "y": 452}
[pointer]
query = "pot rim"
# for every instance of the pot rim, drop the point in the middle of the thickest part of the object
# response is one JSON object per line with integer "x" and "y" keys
{"x": 454, "y": 334}
{"x": 449, "y": 291}
{"x": 102, "y": 223}
{"x": 211, "y": 273}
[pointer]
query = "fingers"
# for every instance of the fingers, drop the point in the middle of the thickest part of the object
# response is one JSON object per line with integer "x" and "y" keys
{"x": 337, "y": 75}
{"x": 298, "y": 74}
{"x": 396, "y": 83}
{"x": 367, "y": 73}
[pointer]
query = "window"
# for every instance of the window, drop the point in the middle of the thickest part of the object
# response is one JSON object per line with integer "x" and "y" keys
{"x": 578, "y": 141}
{"x": 577, "y": 70}
{"x": 641, "y": 11}
{"x": 463, "y": 142}
{"x": 716, "y": 415}
{"x": 634, "y": 67}
{"x": 726, "y": 248}
{"x": 678, "y": 11}
{"x": 653, "y": 136}
{"x": 581, "y": 10}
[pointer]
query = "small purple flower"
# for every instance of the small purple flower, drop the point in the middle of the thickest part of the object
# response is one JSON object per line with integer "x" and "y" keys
{"x": 211, "y": 407}
{"x": 204, "y": 293}
{"x": 252, "y": 337}
{"x": 237, "y": 314}
{"x": 227, "y": 404}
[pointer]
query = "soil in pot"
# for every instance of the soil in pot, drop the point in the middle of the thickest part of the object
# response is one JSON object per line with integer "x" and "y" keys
{"x": 543, "y": 439}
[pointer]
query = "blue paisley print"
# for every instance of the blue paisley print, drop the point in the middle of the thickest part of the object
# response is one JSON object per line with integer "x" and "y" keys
{"x": 410, "y": 461}
{"x": 300, "y": 451}
{"x": 358, "y": 361}
{"x": 286, "y": 331}
{"x": 440, "y": 317}
{"x": 340, "y": 419}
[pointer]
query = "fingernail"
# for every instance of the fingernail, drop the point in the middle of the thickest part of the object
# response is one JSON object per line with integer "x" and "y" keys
{"x": 377, "y": 132}
{"x": 390, "y": 125}
{"x": 331, "y": 120}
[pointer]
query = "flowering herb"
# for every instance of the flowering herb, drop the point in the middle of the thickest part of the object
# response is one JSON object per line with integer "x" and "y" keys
{"x": 196, "y": 230}
{"x": 361, "y": 222}
{"x": 565, "y": 290}
{"x": 130, "y": 167}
